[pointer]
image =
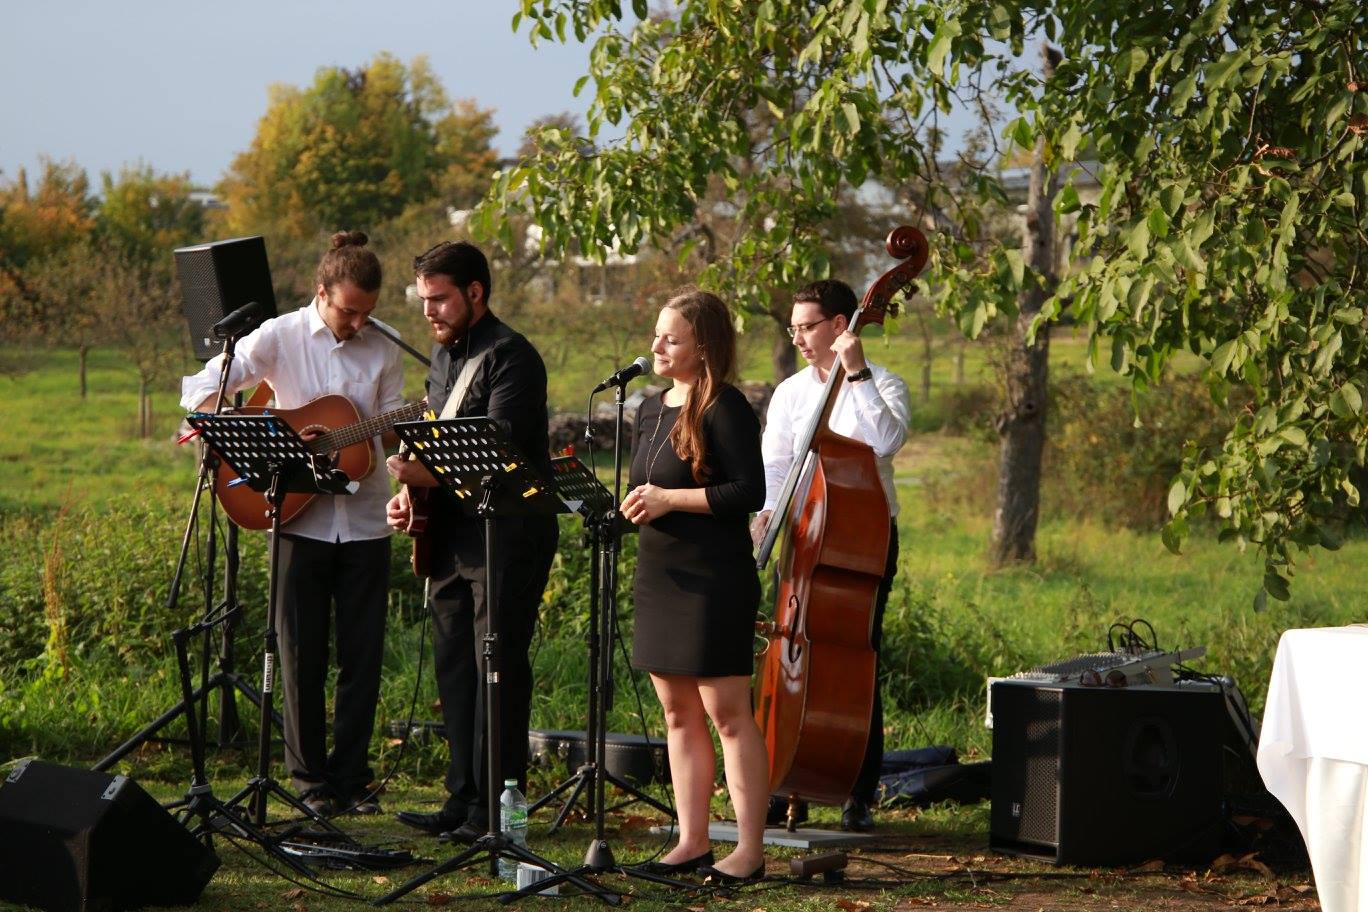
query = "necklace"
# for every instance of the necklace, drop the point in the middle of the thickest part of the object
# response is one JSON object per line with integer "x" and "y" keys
{"x": 652, "y": 449}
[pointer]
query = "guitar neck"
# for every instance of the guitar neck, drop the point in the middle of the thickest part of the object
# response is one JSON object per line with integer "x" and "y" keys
{"x": 364, "y": 430}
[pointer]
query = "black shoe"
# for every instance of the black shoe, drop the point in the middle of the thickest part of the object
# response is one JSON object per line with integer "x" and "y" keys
{"x": 777, "y": 815}
{"x": 722, "y": 879}
{"x": 856, "y": 818}
{"x": 320, "y": 802}
{"x": 434, "y": 824}
{"x": 466, "y": 833}
{"x": 669, "y": 869}
{"x": 365, "y": 805}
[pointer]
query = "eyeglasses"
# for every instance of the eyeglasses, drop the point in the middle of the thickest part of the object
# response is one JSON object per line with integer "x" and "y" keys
{"x": 804, "y": 328}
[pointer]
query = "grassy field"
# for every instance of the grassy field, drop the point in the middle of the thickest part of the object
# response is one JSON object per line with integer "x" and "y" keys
{"x": 951, "y": 622}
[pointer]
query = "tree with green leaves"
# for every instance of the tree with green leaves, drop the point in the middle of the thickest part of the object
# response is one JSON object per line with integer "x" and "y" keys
{"x": 1231, "y": 221}
{"x": 355, "y": 149}
{"x": 145, "y": 215}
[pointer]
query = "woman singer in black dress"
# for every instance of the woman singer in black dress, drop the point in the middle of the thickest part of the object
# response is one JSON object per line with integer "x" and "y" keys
{"x": 696, "y": 476}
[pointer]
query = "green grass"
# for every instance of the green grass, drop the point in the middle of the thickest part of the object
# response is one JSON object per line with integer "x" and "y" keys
{"x": 951, "y": 622}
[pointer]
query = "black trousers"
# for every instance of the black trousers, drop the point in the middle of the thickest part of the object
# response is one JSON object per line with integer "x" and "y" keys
{"x": 524, "y": 550}
{"x": 867, "y": 783}
{"x": 319, "y": 581}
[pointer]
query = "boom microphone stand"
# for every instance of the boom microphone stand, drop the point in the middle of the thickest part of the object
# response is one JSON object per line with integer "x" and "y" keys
{"x": 578, "y": 487}
{"x": 226, "y": 616}
{"x": 604, "y": 528}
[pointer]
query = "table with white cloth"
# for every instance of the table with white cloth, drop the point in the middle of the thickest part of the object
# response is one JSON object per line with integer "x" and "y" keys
{"x": 1313, "y": 754}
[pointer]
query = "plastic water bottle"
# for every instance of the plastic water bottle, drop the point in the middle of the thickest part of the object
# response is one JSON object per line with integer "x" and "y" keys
{"x": 513, "y": 824}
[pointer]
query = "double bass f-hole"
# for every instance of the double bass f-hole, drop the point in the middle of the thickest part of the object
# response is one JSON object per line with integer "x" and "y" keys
{"x": 795, "y": 649}
{"x": 787, "y": 632}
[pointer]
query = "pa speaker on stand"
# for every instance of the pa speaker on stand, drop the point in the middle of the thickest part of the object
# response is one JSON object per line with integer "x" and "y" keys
{"x": 217, "y": 279}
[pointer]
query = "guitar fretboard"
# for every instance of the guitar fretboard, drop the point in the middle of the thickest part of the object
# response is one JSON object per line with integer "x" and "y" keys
{"x": 364, "y": 430}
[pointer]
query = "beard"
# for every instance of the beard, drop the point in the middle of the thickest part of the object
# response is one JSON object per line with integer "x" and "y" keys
{"x": 446, "y": 332}
{"x": 442, "y": 333}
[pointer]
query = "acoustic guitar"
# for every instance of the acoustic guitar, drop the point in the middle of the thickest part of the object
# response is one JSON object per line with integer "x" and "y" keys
{"x": 343, "y": 435}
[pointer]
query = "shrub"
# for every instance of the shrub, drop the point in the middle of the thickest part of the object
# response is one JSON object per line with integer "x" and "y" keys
{"x": 1112, "y": 455}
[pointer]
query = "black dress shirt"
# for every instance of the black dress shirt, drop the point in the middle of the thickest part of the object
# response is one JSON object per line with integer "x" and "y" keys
{"x": 509, "y": 386}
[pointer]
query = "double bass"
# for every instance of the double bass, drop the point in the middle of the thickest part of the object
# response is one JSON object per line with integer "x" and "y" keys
{"x": 816, "y": 686}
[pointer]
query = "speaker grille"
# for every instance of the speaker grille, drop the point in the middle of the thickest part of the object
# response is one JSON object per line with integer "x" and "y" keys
{"x": 1040, "y": 799}
{"x": 217, "y": 279}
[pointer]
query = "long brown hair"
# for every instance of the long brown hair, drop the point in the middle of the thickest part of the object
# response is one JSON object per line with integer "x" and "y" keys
{"x": 715, "y": 337}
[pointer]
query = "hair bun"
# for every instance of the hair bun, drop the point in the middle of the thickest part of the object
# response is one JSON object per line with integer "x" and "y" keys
{"x": 349, "y": 239}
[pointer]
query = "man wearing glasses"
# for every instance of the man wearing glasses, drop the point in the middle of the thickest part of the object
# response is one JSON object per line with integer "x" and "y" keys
{"x": 873, "y": 406}
{"x": 480, "y": 366}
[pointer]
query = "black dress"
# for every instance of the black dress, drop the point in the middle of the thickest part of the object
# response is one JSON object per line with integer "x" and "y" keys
{"x": 696, "y": 590}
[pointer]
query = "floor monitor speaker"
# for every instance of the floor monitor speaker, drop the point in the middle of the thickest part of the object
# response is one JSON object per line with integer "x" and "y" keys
{"x": 72, "y": 840}
{"x": 1103, "y": 776}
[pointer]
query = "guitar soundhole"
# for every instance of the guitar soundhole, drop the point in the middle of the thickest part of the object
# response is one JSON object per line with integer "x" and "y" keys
{"x": 310, "y": 431}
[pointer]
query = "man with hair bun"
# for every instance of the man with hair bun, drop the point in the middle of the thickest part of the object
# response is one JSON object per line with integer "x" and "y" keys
{"x": 480, "y": 367}
{"x": 333, "y": 577}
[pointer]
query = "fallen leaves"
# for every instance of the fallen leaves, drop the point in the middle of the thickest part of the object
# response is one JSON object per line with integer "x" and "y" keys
{"x": 1248, "y": 861}
{"x": 852, "y": 905}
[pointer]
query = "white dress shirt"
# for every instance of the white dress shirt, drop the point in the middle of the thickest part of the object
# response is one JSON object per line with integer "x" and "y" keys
{"x": 300, "y": 357}
{"x": 875, "y": 411}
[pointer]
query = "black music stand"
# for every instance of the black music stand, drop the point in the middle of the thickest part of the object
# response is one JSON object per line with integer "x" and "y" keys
{"x": 586, "y": 495}
{"x": 471, "y": 459}
{"x": 269, "y": 456}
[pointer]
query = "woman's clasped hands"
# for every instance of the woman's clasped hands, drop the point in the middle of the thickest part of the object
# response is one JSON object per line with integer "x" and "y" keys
{"x": 646, "y": 503}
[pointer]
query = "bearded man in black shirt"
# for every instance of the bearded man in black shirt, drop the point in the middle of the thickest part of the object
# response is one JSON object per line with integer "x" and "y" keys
{"x": 491, "y": 370}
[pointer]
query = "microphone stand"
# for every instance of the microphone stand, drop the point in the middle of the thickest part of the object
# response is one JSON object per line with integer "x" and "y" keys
{"x": 227, "y": 614}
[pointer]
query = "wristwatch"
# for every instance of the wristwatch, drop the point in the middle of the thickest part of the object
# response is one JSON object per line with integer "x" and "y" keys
{"x": 863, "y": 374}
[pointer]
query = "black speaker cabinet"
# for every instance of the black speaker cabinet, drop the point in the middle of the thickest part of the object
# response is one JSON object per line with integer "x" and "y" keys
{"x": 1104, "y": 776}
{"x": 218, "y": 278}
{"x": 73, "y": 840}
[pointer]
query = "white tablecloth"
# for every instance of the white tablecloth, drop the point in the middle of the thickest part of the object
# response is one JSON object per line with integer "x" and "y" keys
{"x": 1313, "y": 754}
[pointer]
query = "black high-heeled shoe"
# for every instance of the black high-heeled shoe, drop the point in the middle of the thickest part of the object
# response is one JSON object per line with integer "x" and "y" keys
{"x": 722, "y": 879}
{"x": 670, "y": 868}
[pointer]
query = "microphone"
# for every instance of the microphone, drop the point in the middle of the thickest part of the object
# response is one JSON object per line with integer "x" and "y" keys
{"x": 246, "y": 317}
{"x": 626, "y": 375}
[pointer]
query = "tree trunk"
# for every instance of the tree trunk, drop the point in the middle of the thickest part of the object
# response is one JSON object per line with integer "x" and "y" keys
{"x": 1021, "y": 426}
{"x": 82, "y": 352}
{"x": 144, "y": 410}
{"x": 784, "y": 358}
{"x": 957, "y": 374}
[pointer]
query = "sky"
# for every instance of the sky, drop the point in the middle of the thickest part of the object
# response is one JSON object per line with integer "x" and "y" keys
{"x": 180, "y": 86}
